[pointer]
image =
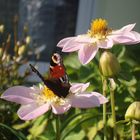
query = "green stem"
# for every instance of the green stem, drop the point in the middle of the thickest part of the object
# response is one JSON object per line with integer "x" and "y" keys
{"x": 58, "y": 135}
{"x": 112, "y": 88}
{"x": 133, "y": 131}
{"x": 104, "y": 82}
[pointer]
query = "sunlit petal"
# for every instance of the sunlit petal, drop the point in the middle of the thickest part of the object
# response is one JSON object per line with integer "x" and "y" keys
{"x": 84, "y": 100}
{"x": 87, "y": 53}
{"x": 100, "y": 97}
{"x": 105, "y": 44}
{"x": 63, "y": 42}
{"x": 32, "y": 111}
{"x": 124, "y": 29}
{"x": 60, "y": 109}
{"x": 84, "y": 39}
{"x": 19, "y": 94}
{"x": 78, "y": 87}
{"x": 72, "y": 46}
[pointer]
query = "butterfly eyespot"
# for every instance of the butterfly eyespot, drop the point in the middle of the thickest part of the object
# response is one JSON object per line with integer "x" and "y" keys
{"x": 56, "y": 58}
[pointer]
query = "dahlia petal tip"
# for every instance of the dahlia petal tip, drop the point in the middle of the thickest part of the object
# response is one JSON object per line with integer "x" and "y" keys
{"x": 128, "y": 27}
{"x": 79, "y": 87}
{"x": 84, "y": 100}
{"x": 62, "y": 42}
{"x": 18, "y": 94}
{"x": 102, "y": 99}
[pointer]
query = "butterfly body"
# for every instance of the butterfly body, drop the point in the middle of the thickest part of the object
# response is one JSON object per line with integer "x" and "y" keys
{"x": 58, "y": 79}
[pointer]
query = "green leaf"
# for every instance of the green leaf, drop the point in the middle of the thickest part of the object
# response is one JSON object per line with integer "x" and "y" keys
{"x": 77, "y": 123}
{"x": 42, "y": 138}
{"x": 18, "y": 134}
{"x": 21, "y": 126}
{"x": 119, "y": 50}
{"x": 72, "y": 61}
{"x": 123, "y": 128}
{"x": 73, "y": 118}
{"x": 76, "y": 136}
{"x": 38, "y": 126}
{"x": 48, "y": 133}
{"x": 97, "y": 126}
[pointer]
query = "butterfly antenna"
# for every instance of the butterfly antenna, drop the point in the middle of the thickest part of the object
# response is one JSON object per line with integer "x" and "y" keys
{"x": 37, "y": 72}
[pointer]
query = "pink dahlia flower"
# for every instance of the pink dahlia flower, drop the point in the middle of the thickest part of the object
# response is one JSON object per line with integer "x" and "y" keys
{"x": 35, "y": 101}
{"x": 99, "y": 36}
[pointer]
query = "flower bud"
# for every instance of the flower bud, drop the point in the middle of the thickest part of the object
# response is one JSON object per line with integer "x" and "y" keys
{"x": 133, "y": 111}
{"x": 108, "y": 64}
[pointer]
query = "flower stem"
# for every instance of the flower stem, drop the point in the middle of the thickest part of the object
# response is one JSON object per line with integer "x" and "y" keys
{"x": 104, "y": 107}
{"x": 133, "y": 131}
{"x": 112, "y": 88}
{"x": 58, "y": 135}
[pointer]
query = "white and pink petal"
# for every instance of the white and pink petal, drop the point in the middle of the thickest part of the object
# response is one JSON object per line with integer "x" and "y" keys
{"x": 100, "y": 97}
{"x": 124, "y": 29}
{"x": 84, "y": 39}
{"x": 87, "y": 100}
{"x": 87, "y": 53}
{"x": 105, "y": 44}
{"x": 84, "y": 100}
{"x": 60, "y": 109}
{"x": 32, "y": 111}
{"x": 125, "y": 35}
{"x": 19, "y": 94}
{"x": 78, "y": 87}
{"x": 64, "y": 41}
{"x": 72, "y": 46}
{"x": 137, "y": 36}
{"x": 124, "y": 39}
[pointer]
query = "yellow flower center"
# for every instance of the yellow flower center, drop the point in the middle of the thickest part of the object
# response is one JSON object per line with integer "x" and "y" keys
{"x": 99, "y": 28}
{"x": 47, "y": 96}
{"x": 48, "y": 93}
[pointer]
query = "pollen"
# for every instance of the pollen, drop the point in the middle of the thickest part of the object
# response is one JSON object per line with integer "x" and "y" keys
{"x": 99, "y": 27}
{"x": 45, "y": 95}
{"x": 48, "y": 93}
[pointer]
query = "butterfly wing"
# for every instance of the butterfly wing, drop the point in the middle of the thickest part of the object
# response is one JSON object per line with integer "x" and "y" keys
{"x": 61, "y": 90}
{"x": 57, "y": 68}
{"x": 58, "y": 76}
{"x": 58, "y": 80}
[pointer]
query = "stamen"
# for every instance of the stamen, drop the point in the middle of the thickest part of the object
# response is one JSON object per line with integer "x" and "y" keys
{"x": 48, "y": 93}
{"x": 47, "y": 96}
{"x": 98, "y": 28}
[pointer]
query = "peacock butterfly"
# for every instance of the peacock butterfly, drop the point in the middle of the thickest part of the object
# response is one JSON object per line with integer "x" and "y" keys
{"x": 57, "y": 80}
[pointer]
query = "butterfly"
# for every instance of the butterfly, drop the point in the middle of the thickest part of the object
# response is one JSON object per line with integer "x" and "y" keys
{"x": 57, "y": 81}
